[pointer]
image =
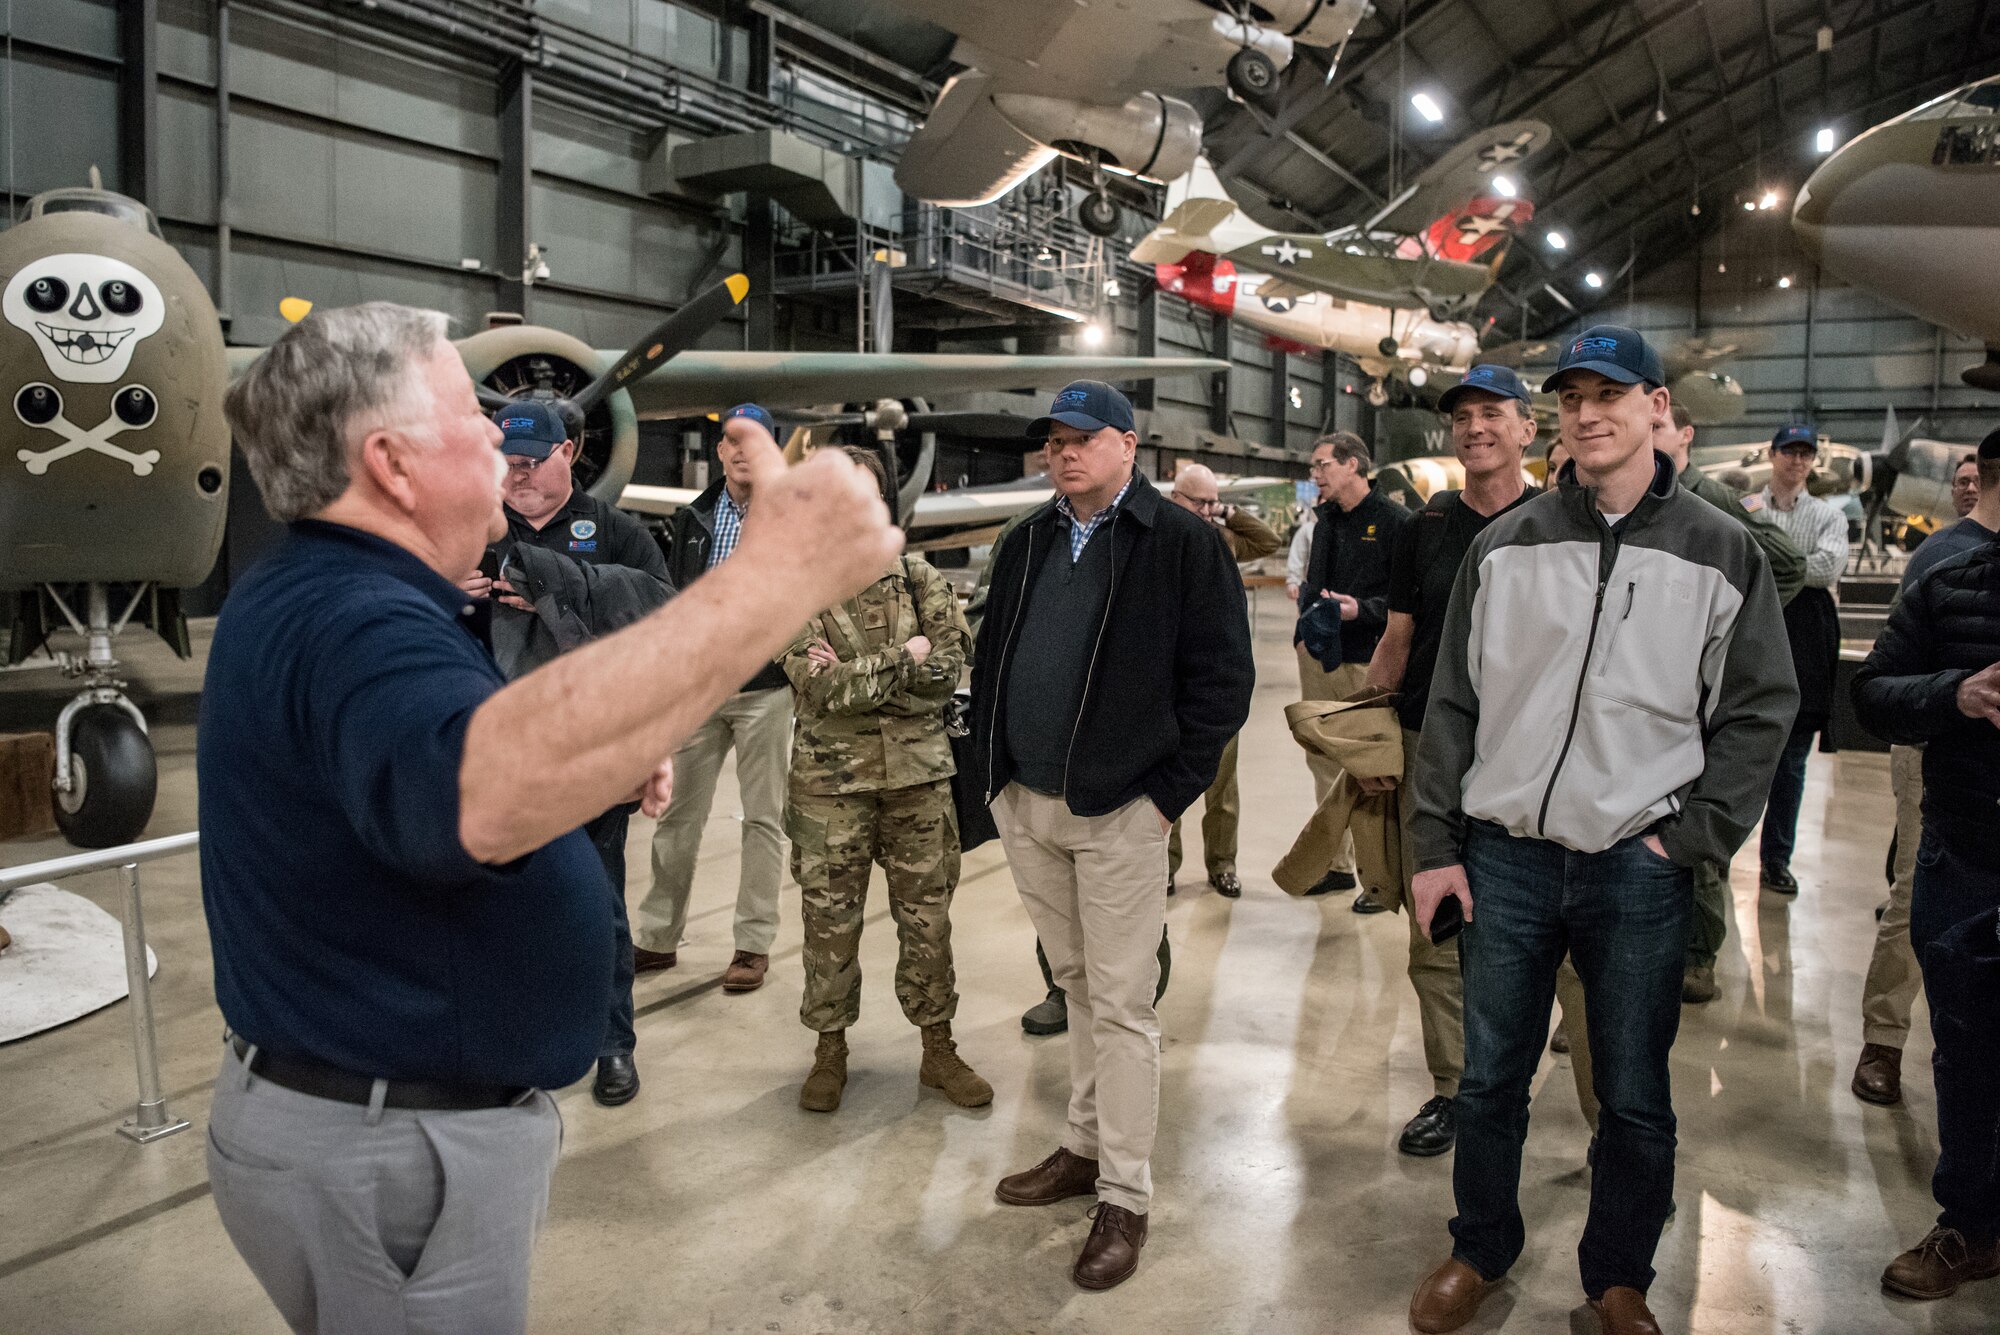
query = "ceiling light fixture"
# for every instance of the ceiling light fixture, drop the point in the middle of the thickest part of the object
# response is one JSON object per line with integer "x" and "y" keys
{"x": 1504, "y": 187}
{"x": 1785, "y": 281}
{"x": 1593, "y": 279}
{"x": 1823, "y": 141}
{"x": 1769, "y": 200}
{"x": 1557, "y": 241}
{"x": 1427, "y": 107}
{"x": 1419, "y": 376}
{"x": 1749, "y": 206}
{"x": 1111, "y": 287}
{"x": 1093, "y": 334}
{"x": 1295, "y": 398}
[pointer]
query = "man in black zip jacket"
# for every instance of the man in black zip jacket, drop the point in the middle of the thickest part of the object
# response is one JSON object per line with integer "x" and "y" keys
{"x": 1933, "y": 679}
{"x": 1113, "y": 667}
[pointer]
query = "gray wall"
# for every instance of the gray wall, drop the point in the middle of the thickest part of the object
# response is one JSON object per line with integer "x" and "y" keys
{"x": 363, "y": 170}
{"x": 1865, "y": 354}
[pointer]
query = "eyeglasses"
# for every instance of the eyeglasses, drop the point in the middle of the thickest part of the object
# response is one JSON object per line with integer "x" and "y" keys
{"x": 522, "y": 465}
{"x": 1321, "y": 466}
{"x": 1797, "y": 451}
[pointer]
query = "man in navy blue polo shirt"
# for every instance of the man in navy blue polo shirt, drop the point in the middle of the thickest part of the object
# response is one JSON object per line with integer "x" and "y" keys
{"x": 412, "y": 943}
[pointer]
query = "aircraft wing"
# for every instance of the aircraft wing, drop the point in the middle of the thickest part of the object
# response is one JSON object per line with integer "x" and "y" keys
{"x": 1464, "y": 172}
{"x": 1309, "y": 263}
{"x": 700, "y": 382}
{"x": 966, "y": 152}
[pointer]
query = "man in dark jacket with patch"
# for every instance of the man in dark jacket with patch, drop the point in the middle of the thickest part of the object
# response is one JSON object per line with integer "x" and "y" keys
{"x": 1113, "y": 667}
{"x": 1933, "y": 679}
{"x": 561, "y": 543}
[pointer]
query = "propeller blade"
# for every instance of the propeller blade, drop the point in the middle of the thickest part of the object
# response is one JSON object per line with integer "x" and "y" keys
{"x": 491, "y": 397}
{"x": 669, "y": 339}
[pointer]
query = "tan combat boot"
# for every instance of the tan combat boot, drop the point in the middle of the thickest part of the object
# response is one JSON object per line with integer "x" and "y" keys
{"x": 944, "y": 1069}
{"x": 829, "y": 1074}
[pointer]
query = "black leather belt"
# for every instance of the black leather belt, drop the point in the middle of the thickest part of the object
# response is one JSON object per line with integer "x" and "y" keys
{"x": 303, "y": 1075}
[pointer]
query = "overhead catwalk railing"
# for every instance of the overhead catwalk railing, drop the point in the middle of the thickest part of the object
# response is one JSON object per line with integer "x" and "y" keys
{"x": 512, "y": 30}
{"x": 152, "y": 1121}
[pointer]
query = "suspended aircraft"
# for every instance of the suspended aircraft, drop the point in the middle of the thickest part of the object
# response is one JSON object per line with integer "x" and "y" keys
{"x": 1049, "y": 77}
{"x": 115, "y": 461}
{"x": 1910, "y": 210}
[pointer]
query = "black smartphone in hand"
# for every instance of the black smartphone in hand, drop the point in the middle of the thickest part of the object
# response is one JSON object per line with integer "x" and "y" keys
{"x": 1448, "y": 921}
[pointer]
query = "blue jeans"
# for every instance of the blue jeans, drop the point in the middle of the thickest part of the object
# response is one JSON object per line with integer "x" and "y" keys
{"x": 1622, "y": 916}
{"x": 1788, "y": 792}
{"x": 1952, "y": 928}
{"x": 607, "y": 836}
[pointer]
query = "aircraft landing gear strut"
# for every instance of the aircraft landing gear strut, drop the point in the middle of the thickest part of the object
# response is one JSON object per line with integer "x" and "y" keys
{"x": 106, "y": 775}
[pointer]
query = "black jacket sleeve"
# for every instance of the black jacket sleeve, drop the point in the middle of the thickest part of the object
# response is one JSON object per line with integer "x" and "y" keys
{"x": 1214, "y": 673}
{"x": 1900, "y": 694}
{"x": 630, "y": 545}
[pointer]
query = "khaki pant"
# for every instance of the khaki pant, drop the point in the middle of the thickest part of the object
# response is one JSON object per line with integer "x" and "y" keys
{"x": 1316, "y": 683}
{"x": 759, "y": 725}
{"x": 1433, "y": 969}
{"x": 1893, "y": 977}
{"x": 1219, "y": 808}
{"x": 1569, "y": 996}
{"x": 1091, "y": 886}
{"x": 836, "y": 843}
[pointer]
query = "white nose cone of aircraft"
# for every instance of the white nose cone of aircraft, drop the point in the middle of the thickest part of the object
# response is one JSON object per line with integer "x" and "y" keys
{"x": 1910, "y": 211}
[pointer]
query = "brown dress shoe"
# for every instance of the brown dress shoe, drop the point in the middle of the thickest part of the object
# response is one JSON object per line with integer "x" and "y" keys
{"x": 645, "y": 961}
{"x": 1878, "y": 1076}
{"x": 1935, "y": 1267}
{"x": 1056, "y": 1178}
{"x": 1111, "y": 1252}
{"x": 745, "y": 972}
{"x": 1623, "y": 1311}
{"x": 1448, "y": 1298}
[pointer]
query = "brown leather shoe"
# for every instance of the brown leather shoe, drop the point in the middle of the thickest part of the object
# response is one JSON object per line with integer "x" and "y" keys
{"x": 1878, "y": 1076}
{"x": 1448, "y": 1298}
{"x": 1623, "y": 1311}
{"x": 745, "y": 972}
{"x": 1111, "y": 1252}
{"x": 1056, "y": 1178}
{"x": 1935, "y": 1267}
{"x": 645, "y": 961}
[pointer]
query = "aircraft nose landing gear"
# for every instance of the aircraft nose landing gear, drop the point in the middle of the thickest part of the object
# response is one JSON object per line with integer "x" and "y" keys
{"x": 106, "y": 775}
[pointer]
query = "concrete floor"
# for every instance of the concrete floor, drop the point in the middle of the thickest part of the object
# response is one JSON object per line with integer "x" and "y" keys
{"x": 1292, "y": 1058}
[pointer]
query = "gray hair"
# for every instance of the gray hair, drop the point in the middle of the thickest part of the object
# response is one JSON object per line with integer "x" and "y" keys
{"x": 295, "y": 408}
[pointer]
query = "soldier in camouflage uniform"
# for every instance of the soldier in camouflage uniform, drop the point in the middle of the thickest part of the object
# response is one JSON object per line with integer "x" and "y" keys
{"x": 871, "y": 783}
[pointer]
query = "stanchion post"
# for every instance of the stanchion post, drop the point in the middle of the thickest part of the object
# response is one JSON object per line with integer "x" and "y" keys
{"x": 151, "y": 1121}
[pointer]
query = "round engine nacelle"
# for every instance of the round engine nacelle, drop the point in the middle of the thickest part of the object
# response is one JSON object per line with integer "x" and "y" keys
{"x": 1151, "y": 135}
{"x": 522, "y": 359}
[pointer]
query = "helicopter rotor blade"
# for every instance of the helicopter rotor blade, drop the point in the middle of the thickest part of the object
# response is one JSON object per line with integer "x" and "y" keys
{"x": 669, "y": 338}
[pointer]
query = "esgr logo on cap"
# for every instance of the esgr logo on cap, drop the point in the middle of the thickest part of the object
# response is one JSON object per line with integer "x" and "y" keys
{"x": 1593, "y": 347}
{"x": 518, "y": 424}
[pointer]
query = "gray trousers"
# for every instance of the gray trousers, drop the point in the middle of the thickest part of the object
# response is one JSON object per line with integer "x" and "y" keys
{"x": 382, "y": 1222}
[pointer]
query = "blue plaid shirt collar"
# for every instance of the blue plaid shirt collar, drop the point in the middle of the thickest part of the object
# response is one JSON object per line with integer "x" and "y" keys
{"x": 728, "y": 527}
{"x": 1079, "y": 534}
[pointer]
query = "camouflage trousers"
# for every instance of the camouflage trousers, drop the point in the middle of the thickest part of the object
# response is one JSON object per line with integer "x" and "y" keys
{"x": 836, "y": 841}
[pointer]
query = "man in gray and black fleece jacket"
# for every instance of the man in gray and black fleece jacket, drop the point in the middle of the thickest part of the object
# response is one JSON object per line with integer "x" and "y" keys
{"x": 1596, "y": 728}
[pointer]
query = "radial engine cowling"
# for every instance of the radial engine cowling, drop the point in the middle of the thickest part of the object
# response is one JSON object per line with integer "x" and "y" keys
{"x": 521, "y": 359}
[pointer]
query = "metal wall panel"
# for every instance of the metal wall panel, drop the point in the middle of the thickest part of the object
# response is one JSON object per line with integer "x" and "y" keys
{"x": 87, "y": 26}
{"x": 67, "y": 122}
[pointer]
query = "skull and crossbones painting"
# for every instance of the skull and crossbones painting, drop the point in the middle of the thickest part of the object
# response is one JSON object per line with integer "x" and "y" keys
{"x": 86, "y": 314}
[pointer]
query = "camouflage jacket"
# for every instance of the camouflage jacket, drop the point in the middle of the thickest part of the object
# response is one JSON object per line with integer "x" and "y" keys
{"x": 875, "y": 720}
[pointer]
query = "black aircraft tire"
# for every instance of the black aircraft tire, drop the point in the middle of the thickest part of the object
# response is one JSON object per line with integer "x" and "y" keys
{"x": 1252, "y": 76}
{"x": 114, "y": 780}
{"x": 1098, "y": 215}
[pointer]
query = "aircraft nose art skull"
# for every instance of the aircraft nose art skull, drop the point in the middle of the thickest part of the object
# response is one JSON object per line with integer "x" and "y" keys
{"x": 87, "y": 313}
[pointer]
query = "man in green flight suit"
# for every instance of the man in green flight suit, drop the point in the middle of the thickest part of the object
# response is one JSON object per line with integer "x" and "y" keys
{"x": 871, "y": 783}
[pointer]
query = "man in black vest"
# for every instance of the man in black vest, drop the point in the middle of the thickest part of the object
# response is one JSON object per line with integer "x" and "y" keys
{"x": 1113, "y": 667}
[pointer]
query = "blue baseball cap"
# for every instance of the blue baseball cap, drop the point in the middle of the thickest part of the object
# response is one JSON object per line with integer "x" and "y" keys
{"x": 754, "y": 413}
{"x": 530, "y": 428}
{"x": 1614, "y": 352}
{"x": 1087, "y": 405}
{"x": 1486, "y": 378}
{"x": 1798, "y": 433}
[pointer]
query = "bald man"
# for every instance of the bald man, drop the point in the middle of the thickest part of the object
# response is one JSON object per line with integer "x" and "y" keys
{"x": 1248, "y": 539}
